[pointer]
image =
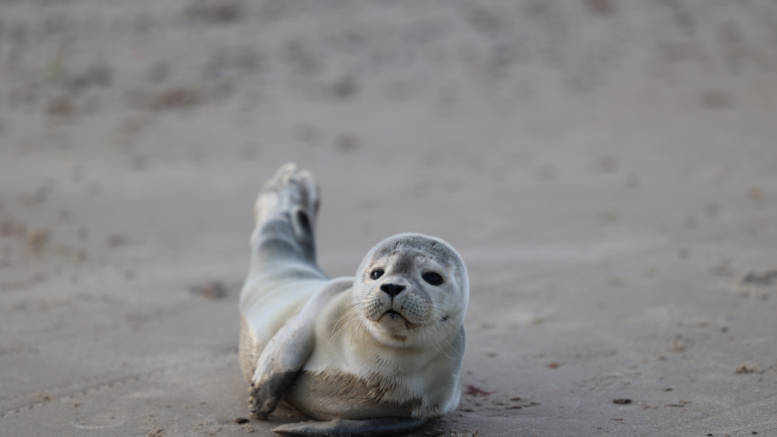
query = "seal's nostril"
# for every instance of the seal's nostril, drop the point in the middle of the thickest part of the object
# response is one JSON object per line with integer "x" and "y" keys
{"x": 392, "y": 289}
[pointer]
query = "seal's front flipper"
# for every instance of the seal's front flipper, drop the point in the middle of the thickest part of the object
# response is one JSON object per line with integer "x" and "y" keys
{"x": 288, "y": 351}
{"x": 278, "y": 365}
{"x": 378, "y": 427}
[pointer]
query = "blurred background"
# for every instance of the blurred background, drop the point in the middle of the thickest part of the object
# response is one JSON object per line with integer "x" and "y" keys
{"x": 607, "y": 168}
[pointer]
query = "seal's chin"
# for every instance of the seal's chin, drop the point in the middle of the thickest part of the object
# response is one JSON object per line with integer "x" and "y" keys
{"x": 393, "y": 328}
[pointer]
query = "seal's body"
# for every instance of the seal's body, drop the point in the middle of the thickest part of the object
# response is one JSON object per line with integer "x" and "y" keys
{"x": 378, "y": 353}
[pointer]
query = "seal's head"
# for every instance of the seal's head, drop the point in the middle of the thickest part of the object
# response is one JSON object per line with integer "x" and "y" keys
{"x": 411, "y": 290}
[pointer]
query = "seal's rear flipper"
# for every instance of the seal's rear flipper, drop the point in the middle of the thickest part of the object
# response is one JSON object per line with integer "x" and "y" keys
{"x": 379, "y": 427}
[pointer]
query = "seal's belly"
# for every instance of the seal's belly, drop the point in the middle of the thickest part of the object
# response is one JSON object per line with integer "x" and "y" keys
{"x": 332, "y": 395}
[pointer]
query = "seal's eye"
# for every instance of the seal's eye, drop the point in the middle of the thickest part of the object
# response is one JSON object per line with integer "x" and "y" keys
{"x": 432, "y": 278}
{"x": 377, "y": 273}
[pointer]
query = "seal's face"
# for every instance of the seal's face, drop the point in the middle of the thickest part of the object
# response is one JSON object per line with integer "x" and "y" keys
{"x": 411, "y": 290}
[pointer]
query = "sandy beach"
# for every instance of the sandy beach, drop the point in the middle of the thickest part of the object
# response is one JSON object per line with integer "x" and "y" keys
{"x": 607, "y": 169}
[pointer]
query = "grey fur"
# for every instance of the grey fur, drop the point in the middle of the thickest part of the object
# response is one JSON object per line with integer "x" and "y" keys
{"x": 293, "y": 346}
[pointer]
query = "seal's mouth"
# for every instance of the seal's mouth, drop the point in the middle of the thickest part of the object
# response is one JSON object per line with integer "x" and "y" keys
{"x": 394, "y": 315}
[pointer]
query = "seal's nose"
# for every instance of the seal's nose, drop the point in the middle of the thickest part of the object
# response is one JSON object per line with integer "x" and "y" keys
{"x": 392, "y": 289}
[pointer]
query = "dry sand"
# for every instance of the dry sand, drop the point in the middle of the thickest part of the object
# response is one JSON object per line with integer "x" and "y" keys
{"x": 608, "y": 170}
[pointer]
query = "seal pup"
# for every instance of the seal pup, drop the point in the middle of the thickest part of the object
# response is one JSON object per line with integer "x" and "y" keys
{"x": 376, "y": 354}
